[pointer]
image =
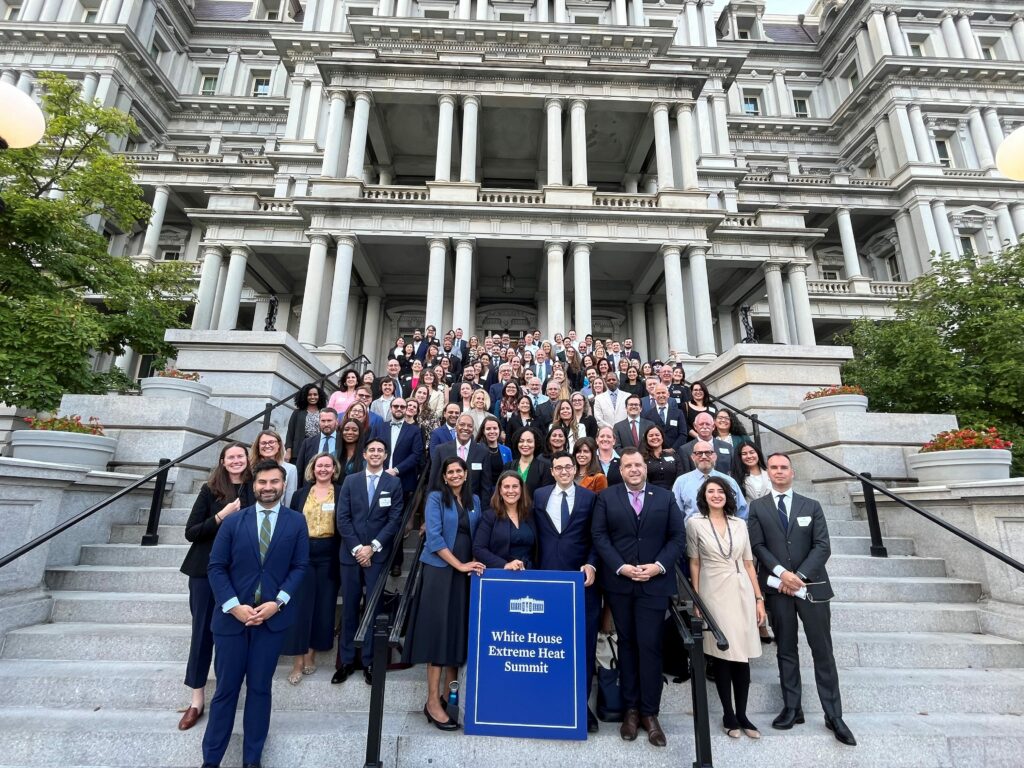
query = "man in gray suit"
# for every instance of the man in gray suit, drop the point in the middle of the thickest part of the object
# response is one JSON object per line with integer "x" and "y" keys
{"x": 789, "y": 539}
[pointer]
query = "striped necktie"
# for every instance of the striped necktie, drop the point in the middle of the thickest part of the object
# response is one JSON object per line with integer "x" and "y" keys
{"x": 264, "y": 546}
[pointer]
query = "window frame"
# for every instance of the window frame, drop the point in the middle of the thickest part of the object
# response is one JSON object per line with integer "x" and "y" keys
{"x": 255, "y": 79}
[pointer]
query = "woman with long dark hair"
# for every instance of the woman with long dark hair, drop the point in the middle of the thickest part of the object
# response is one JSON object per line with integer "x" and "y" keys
{"x": 268, "y": 445}
{"x": 524, "y": 417}
{"x": 506, "y": 535}
{"x": 439, "y": 619}
{"x": 662, "y": 465}
{"x": 305, "y": 419}
{"x": 350, "y": 450}
{"x": 588, "y": 468}
{"x": 534, "y": 469}
{"x": 228, "y": 489}
{"x": 489, "y": 436}
{"x": 346, "y": 394}
{"x": 700, "y": 402}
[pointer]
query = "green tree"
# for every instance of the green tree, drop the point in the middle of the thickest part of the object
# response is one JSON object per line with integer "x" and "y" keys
{"x": 62, "y": 295}
{"x": 955, "y": 346}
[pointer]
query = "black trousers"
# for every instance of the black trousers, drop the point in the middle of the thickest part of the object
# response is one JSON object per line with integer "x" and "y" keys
{"x": 201, "y": 603}
{"x": 817, "y": 620}
{"x": 639, "y": 620}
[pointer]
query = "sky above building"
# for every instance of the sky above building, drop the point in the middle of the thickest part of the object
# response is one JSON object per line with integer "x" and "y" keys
{"x": 790, "y": 7}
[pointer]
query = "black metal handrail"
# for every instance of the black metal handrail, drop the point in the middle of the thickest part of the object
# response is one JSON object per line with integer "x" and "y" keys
{"x": 693, "y": 639}
{"x": 160, "y": 474}
{"x": 870, "y": 486}
{"x": 691, "y": 594}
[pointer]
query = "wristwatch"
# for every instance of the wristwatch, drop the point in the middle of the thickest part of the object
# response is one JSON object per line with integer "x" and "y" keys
{"x": 280, "y": 604}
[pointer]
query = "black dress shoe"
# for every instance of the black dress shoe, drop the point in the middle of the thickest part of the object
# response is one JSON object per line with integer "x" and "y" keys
{"x": 448, "y": 725}
{"x": 630, "y": 725}
{"x": 368, "y": 675}
{"x": 342, "y": 673}
{"x": 788, "y": 718}
{"x": 396, "y": 571}
{"x": 592, "y": 726}
{"x": 841, "y": 731}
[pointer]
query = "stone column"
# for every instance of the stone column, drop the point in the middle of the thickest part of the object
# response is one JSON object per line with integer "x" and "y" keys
{"x": 980, "y": 138}
{"x": 638, "y": 325}
{"x": 542, "y": 11}
{"x": 903, "y": 135}
{"x": 581, "y": 287}
{"x": 111, "y": 10}
{"x": 708, "y": 12}
{"x": 156, "y": 221}
{"x": 553, "y": 109}
{"x": 445, "y": 123}
{"x": 578, "y": 129}
{"x": 663, "y": 145}
{"x": 776, "y": 302}
{"x": 470, "y": 110}
{"x": 295, "y": 95}
{"x": 880, "y": 42}
{"x": 371, "y": 330}
{"x": 892, "y": 26}
{"x": 202, "y": 317}
{"x": 721, "y": 124}
{"x": 463, "y": 282}
{"x": 693, "y": 23}
{"x": 966, "y": 35}
{"x": 926, "y": 239}
{"x": 638, "y": 19}
{"x": 674, "y": 300}
{"x": 801, "y": 304}
{"x": 950, "y": 37}
{"x": 921, "y": 140}
{"x": 1017, "y": 29}
{"x": 466, "y": 9}
{"x": 702, "y": 317}
{"x": 1004, "y": 226}
{"x": 1017, "y": 214}
{"x": 886, "y": 150}
{"x": 233, "y": 288}
{"x": 481, "y": 10}
{"x": 992, "y": 128}
{"x": 621, "y": 16}
{"x": 50, "y": 10}
{"x": 947, "y": 242}
{"x": 555, "y": 253}
{"x": 687, "y": 146}
{"x": 782, "y": 93}
{"x": 435, "y": 281}
{"x": 907, "y": 246}
{"x": 865, "y": 56}
{"x": 357, "y": 144}
{"x": 561, "y": 17}
{"x": 851, "y": 261}
{"x": 310, "y": 317}
{"x": 332, "y": 142}
{"x": 341, "y": 286}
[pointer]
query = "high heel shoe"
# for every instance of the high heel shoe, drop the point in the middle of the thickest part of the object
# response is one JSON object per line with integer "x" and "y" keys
{"x": 749, "y": 729}
{"x": 448, "y": 725}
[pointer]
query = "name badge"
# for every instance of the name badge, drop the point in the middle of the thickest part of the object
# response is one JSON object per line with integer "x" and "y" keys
{"x": 673, "y": 422}
{"x": 476, "y": 466}
{"x": 670, "y": 458}
{"x": 385, "y": 501}
{"x": 724, "y": 450}
{"x": 328, "y": 507}
{"x": 803, "y": 522}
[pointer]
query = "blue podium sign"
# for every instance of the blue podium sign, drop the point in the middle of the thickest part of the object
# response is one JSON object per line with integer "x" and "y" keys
{"x": 526, "y": 673}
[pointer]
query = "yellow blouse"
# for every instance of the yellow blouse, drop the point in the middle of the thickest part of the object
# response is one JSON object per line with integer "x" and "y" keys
{"x": 319, "y": 520}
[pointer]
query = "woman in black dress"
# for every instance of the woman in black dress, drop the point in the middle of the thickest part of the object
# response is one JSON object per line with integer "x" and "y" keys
{"x": 662, "y": 465}
{"x": 498, "y": 455}
{"x": 506, "y": 534}
{"x": 439, "y": 622}
{"x": 524, "y": 417}
{"x": 228, "y": 490}
{"x": 305, "y": 419}
{"x": 534, "y": 469}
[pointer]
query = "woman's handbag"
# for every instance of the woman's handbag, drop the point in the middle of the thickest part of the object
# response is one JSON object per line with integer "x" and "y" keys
{"x": 610, "y": 708}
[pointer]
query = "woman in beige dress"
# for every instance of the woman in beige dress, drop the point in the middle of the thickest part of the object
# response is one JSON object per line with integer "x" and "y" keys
{"x": 722, "y": 572}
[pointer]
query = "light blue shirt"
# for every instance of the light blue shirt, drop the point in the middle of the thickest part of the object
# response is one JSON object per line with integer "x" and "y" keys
{"x": 331, "y": 444}
{"x": 686, "y": 487}
{"x": 283, "y": 596}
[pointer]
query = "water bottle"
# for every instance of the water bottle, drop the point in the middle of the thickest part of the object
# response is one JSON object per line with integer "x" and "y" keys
{"x": 453, "y": 701}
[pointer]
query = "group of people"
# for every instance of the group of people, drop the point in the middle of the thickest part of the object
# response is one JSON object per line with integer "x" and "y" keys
{"x": 570, "y": 454}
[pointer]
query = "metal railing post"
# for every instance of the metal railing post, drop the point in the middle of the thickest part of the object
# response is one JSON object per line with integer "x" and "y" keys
{"x": 269, "y": 409}
{"x": 375, "y": 726}
{"x": 699, "y": 691}
{"x": 757, "y": 431}
{"x": 877, "y": 545}
{"x": 152, "y": 536}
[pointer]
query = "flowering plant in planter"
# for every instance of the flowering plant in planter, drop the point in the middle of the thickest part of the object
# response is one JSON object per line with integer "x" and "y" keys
{"x": 835, "y": 389}
{"x": 174, "y": 373}
{"x": 965, "y": 439}
{"x": 66, "y": 424}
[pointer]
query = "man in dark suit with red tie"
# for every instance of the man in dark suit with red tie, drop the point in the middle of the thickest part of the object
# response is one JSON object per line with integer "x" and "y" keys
{"x": 257, "y": 564}
{"x": 639, "y": 536}
{"x": 562, "y": 513}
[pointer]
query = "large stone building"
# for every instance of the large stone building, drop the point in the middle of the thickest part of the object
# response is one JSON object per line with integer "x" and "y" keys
{"x": 664, "y": 169}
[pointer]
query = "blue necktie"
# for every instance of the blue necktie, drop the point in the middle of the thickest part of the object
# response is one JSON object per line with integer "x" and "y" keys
{"x": 783, "y": 514}
{"x": 565, "y": 511}
{"x": 372, "y": 489}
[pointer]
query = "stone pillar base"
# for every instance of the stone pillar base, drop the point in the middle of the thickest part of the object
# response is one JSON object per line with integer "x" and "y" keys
{"x": 569, "y": 195}
{"x": 336, "y": 189}
{"x": 454, "y": 191}
{"x": 678, "y": 199}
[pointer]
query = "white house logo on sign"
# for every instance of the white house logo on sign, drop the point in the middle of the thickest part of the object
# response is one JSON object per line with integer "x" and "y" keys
{"x": 526, "y": 605}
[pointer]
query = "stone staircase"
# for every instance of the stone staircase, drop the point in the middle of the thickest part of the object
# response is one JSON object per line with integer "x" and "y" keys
{"x": 99, "y": 685}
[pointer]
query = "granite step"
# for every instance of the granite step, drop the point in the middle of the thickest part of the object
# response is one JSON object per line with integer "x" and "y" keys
{"x": 915, "y": 589}
{"x": 80, "y": 738}
{"x": 861, "y": 545}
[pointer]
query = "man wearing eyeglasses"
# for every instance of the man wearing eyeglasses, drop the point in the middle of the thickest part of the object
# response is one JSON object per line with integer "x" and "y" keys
{"x": 704, "y": 426}
{"x": 789, "y": 539}
{"x": 686, "y": 486}
{"x": 562, "y": 512}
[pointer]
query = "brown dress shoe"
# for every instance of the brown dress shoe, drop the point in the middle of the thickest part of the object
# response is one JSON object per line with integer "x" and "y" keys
{"x": 630, "y": 724}
{"x": 190, "y": 718}
{"x": 654, "y": 733}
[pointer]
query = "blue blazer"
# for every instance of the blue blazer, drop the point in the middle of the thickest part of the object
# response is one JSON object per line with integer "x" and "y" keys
{"x": 407, "y": 454}
{"x": 360, "y": 523}
{"x": 573, "y": 548}
{"x": 235, "y": 567}
{"x": 672, "y": 431}
{"x": 439, "y": 436}
{"x": 621, "y": 538}
{"x": 493, "y": 540}
{"x": 442, "y": 526}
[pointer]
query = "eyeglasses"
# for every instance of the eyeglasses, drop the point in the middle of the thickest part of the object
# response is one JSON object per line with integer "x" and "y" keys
{"x": 268, "y": 443}
{"x": 563, "y": 468}
{"x": 703, "y": 453}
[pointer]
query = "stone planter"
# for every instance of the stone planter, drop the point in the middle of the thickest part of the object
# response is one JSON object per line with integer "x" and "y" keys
{"x": 962, "y": 466}
{"x": 165, "y": 386}
{"x": 92, "y": 451}
{"x": 822, "y": 406}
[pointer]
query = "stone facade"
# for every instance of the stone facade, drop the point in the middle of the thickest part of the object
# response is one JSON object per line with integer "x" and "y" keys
{"x": 349, "y": 170}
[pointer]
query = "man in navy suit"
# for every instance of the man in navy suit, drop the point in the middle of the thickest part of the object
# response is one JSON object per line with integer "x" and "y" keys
{"x": 562, "y": 513}
{"x": 639, "y": 536}
{"x": 328, "y": 441}
{"x": 446, "y": 432}
{"x": 257, "y": 563}
{"x": 405, "y": 457}
{"x": 473, "y": 453}
{"x": 497, "y": 389}
{"x": 368, "y": 514}
{"x": 666, "y": 414}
